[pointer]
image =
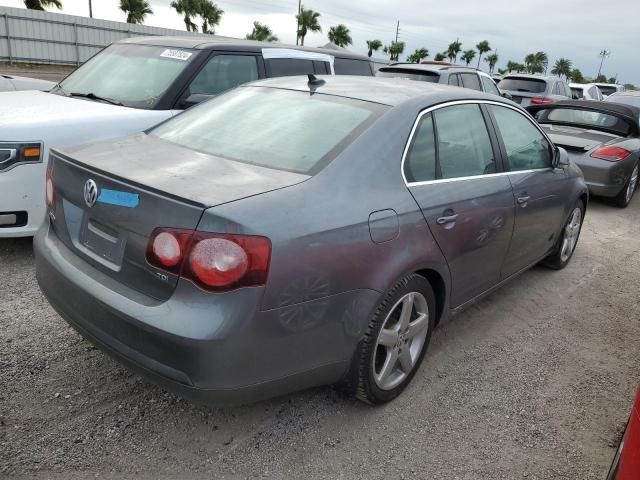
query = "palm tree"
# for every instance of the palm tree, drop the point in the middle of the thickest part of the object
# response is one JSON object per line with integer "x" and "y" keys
{"x": 210, "y": 14}
{"x": 468, "y": 55}
{"x": 188, "y": 8}
{"x": 136, "y": 10}
{"x": 440, "y": 57}
{"x": 562, "y": 68}
{"x": 261, "y": 33}
{"x": 307, "y": 22}
{"x": 453, "y": 50}
{"x": 483, "y": 47}
{"x": 394, "y": 50}
{"x": 515, "y": 66}
{"x": 418, "y": 55}
{"x": 41, "y": 4}
{"x": 492, "y": 60}
{"x": 340, "y": 35}
{"x": 536, "y": 62}
{"x": 576, "y": 76}
{"x": 373, "y": 46}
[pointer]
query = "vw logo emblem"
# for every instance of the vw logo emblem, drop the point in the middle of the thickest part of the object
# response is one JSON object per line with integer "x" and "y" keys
{"x": 90, "y": 193}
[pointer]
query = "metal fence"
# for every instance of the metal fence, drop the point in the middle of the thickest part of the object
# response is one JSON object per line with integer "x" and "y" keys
{"x": 42, "y": 37}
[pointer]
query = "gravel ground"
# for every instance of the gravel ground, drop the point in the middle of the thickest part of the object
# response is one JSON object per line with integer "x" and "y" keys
{"x": 534, "y": 382}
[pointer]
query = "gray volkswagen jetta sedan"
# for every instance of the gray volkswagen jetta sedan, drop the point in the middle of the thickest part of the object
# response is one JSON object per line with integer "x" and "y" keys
{"x": 298, "y": 232}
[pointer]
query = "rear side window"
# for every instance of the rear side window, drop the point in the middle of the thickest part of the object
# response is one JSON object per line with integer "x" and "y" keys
{"x": 286, "y": 67}
{"x": 527, "y": 148}
{"x": 274, "y": 128}
{"x": 522, "y": 84}
{"x": 453, "y": 80}
{"x": 464, "y": 147}
{"x": 348, "y": 66}
{"x": 224, "y": 72}
{"x": 421, "y": 75}
{"x": 489, "y": 86}
{"x": 471, "y": 80}
{"x": 577, "y": 93}
{"x": 420, "y": 162}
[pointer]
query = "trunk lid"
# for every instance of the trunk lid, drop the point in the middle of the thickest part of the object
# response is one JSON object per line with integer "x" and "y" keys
{"x": 577, "y": 139}
{"x": 142, "y": 183}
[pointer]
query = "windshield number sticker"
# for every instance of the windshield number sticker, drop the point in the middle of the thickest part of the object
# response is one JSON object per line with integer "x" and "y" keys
{"x": 176, "y": 54}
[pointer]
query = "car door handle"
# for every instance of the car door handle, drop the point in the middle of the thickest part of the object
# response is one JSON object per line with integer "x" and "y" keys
{"x": 523, "y": 200}
{"x": 447, "y": 219}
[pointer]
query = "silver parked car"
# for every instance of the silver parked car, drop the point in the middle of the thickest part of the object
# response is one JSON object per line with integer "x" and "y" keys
{"x": 603, "y": 138}
{"x": 535, "y": 89}
{"x": 298, "y": 232}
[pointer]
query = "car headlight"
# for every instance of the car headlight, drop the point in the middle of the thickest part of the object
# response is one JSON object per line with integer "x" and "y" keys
{"x": 12, "y": 154}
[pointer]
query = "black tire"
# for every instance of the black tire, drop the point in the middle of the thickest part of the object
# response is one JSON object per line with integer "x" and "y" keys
{"x": 361, "y": 381}
{"x": 623, "y": 199}
{"x": 556, "y": 260}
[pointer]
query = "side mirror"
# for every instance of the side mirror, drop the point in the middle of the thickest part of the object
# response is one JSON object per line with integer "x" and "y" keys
{"x": 561, "y": 158}
{"x": 194, "y": 99}
{"x": 507, "y": 95}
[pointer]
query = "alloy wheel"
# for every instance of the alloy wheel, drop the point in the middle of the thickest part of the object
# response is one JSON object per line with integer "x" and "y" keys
{"x": 633, "y": 183}
{"x": 400, "y": 340}
{"x": 571, "y": 234}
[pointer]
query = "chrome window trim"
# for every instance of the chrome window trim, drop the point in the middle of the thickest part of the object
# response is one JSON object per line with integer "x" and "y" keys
{"x": 467, "y": 102}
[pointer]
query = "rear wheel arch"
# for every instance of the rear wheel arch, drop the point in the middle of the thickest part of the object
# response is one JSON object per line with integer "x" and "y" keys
{"x": 439, "y": 289}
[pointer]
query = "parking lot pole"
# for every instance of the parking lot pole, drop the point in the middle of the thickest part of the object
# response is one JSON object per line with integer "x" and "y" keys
{"x": 75, "y": 37}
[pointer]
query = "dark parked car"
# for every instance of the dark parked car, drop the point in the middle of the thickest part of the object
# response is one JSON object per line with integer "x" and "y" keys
{"x": 602, "y": 138}
{"x": 626, "y": 462}
{"x": 441, "y": 72}
{"x": 628, "y": 97}
{"x": 535, "y": 89}
{"x": 287, "y": 234}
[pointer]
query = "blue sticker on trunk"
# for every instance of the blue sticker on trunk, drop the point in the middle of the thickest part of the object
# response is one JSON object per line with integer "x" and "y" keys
{"x": 121, "y": 199}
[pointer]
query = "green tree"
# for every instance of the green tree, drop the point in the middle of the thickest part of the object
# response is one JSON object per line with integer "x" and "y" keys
{"x": 630, "y": 86}
{"x": 502, "y": 71}
{"x": 340, "y": 35}
{"x": 373, "y": 46}
{"x": 492, "y": 60}
{"x": 468, "y": 56}
{"x": 613, "y": 80}
{"x": 418, "y": 55}
{"x": 562, "y": 68}
{"x": 188, "y": 8}
{"x": 453, "y": 50}
{"x": 394, "y": 50}
{"x": 536, "y": 62}
{"x": 307, "y": 22}
{"x": 440, "y": 57}
{"x": 136, "y": 10}
{"x": 576, "y": 76}
{"x": 210, "y": 14}
{"x": 601, "y": 79}
{"x": 42, "y": 4}
{"x": 261, "y": 33}
{"x": 483, "y": 47}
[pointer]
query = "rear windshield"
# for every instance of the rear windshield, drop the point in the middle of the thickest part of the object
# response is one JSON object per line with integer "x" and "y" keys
{"x": 421, "y": 75}
{"x": 584, "y": 118}
{"x": 529, "y": 85}
{"x": 625, "y": 99}
{"x": 607, "y": 90}
{"x": 283, "y": 129}
{"x": 577, "y": 93}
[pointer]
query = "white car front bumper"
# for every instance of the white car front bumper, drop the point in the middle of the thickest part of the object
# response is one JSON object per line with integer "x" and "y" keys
{"x": 22, "y": 191}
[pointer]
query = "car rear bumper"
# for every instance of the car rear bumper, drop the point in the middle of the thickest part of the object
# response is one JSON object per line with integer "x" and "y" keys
{"x": 604, "y": 178}
{"x": 22, "y": 197}
{"x": 193, "y": 345}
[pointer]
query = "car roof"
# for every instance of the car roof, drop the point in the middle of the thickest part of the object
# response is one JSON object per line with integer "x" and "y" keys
{"x": 582, "y": 85}
{"x": 215, "y": 41}
{"x": 428, "y": 67}
{"x": 531, "y": 75}
{"x": 387, "y": 91}
{"x": 626, "y": 93}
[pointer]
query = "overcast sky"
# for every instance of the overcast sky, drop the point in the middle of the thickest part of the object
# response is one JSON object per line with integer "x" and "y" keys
{"x": 574, "y": 29}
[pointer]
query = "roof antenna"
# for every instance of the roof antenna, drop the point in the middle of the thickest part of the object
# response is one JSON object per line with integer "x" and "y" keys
{"x": 314, "y": 82}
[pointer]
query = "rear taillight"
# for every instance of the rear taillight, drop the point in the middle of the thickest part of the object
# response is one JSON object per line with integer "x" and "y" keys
{"x": 611, "y": 154}
{"x": 50, "y": 191}
{"x": 541, "y": 100}
{"x": 213, "y": 261}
